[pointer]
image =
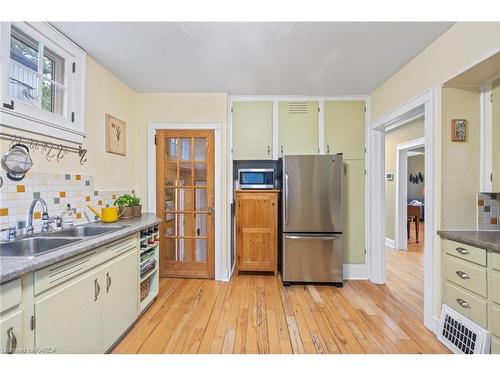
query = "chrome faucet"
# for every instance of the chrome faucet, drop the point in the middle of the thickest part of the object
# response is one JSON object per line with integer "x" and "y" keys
{"x": 11, "y": 233}
{"x": 45, "y": 216}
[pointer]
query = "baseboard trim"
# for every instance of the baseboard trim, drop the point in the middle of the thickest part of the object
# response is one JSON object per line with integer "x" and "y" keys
{"x": 355, "y": 271}
{"x": 390, "y": 243}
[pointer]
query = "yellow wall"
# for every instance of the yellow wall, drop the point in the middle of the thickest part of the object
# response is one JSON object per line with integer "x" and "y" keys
{"x": 104, "y": 94}
{"x": 408, "y": 132}
{"x": 496, "y": 135}
{"x": 416, "y": 165}
{"x": 460, "y": 161}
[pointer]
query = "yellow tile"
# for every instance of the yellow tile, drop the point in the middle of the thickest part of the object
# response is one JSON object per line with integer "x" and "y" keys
{"x": 37, "y": 215}
{"x": 99, "y": 202}
{"x": 78, "y": 215}
{"x": 87, "y": 198}
{"x": 4, "y": 212}
{"x": 78, "y": 177}
{"x": 21, "y": 188}
{"x": 62, "y": 194}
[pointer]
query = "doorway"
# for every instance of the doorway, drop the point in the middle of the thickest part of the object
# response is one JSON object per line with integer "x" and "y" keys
{"x": 185, "y": 201}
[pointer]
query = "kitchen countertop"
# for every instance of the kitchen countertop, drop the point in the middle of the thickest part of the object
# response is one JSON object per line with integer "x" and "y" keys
{"x": 13, "y": 267}
{"x": 489, "y": 240}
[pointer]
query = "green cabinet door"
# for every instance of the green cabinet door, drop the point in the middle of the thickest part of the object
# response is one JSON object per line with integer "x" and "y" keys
{"x": 252, "y": 130}
{"x": 345, "y": 128}
{"x": 298, "y": 124}
{"x": 495, "y": 150}
{"x": 354, "y": 212}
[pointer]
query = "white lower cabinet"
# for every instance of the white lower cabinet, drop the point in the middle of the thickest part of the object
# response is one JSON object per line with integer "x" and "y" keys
{"x": 88, "y": 314}
{"x": 119, "y": 300}
{"x": 68, "y": 318}
{"x": 11, "y": 332}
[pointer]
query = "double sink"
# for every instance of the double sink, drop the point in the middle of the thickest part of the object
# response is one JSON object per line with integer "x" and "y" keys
{"x": 30, "y": 246}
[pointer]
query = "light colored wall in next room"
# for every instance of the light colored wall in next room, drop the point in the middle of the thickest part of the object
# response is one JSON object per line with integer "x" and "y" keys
{"x": 416, "y": 165}
{"x": 405, "y": 133}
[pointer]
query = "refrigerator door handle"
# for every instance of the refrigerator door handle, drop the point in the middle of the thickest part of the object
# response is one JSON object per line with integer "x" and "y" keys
{"x": 286, "y": 198}
{"x": 323, "y": 238}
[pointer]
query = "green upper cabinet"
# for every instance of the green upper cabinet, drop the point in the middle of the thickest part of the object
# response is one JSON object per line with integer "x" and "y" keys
{"x": 298, "y": 124}
{"x": 495, "y": 135}
{"x": 252, "y": 130}
{"x": 345, "y": 128}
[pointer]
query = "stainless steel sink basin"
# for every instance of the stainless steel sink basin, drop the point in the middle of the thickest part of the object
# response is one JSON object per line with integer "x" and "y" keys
{"x": 33, "y": 246}
{"x": 84, "y": 231}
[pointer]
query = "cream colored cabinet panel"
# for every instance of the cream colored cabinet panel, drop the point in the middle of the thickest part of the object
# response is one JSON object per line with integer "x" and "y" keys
{"x": 252, "y": 130}
{"x": 68, "y": 318}
{"x": 469, "y": 253}
{"x": 11, "y": 333}
{"x": 494, "y": 286}
{"x": 466, "y": 274}
{"x": 345, "y": 128}
{"x": 466, "y": 303}
{"x": 298, "y": 124}
{"x": 494, "y": 319}
{"x": 10, "y": 294}
{"x": 120, "y": 291}
{"x": 494, "y": 260}
{"x": 495, "y": 345}
{"x": 354, "y": 211}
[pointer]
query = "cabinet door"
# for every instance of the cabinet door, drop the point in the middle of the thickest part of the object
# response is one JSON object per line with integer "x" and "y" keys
{"x": 256, "y": 217}
{"x": 345, "y": 128}
{"x": 354, "y": 211}
{"x": 11, "y": 333}
{"x": 68, "y": 319}
{"x": 120, "y": 296}
{"x": 252, "y": 130}
{"x": 298, "y": 125}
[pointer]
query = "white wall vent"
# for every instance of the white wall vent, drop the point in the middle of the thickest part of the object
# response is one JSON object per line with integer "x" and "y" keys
{"x": 461, "y": 335}
{"x": 298, "y": 108}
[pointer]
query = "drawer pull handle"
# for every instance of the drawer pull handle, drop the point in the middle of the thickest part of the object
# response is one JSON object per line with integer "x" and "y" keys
{"x": 463, "y": 275}
{"x": 462, "y": 251}
{"x": 97, "y": 289}
{"x": 463, "y": 304}
{"x": 11, "y": 341}
{"x": 108, "y": 282}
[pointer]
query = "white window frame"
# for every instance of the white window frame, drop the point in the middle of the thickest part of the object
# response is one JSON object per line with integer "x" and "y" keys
{"x": 69, "y": 126}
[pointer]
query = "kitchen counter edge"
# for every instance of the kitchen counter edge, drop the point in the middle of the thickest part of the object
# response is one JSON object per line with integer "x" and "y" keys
{"x": 14, "y": 267}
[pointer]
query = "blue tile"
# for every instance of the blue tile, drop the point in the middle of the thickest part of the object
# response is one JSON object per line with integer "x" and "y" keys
{"x": 67, "y": 176}
{"x": 486, "y": 208}
{"x": 57, "y": 200}
{"x": 21, "y": 224}
{"x": 96, "y": 193}
{"x": 87, "y": 183}
{"x": 36, "y": 195}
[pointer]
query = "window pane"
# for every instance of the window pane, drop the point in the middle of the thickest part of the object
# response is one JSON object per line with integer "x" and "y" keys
{"x": 200, "y": 148}
{"x": 200, "y": 174}
{"x": 53, "y": 66}
{"x": 23, "y": 49}
{"x": 200, "y": 200}
{"x": 185, "y": 174}
{"x": 23, "y": 85}
{"x": 185, "y": 148}
{"x": 201, "y": 225}
{"x": 170, "y": 249}
{"x": 171, "y": 149}
{"x": 185, "y": 200}
{"x": 201, "y": 250}
{"x": 52, "y": 97}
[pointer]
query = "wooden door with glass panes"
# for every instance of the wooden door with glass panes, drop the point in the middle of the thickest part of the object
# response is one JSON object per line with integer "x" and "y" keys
{"x": 185, "y": 201}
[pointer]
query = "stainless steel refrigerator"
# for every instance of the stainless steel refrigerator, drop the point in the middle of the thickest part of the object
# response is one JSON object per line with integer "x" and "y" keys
{"x": 312, "y": 191}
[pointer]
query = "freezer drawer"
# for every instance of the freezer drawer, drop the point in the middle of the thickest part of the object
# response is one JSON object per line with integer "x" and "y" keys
{"x": 312, "y": 258}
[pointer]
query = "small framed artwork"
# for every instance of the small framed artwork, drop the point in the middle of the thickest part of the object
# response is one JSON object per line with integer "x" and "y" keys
{"x": 458, "y": 130}
{"x": 116, "y": 135}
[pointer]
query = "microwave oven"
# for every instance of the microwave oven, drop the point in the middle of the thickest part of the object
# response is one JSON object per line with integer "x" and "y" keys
{"x": 256, "y": 178}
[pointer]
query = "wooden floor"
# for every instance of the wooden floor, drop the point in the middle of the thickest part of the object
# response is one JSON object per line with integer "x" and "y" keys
{"x": 256, "y": 314}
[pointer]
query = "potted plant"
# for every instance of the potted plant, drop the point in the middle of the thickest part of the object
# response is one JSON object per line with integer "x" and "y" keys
{"x": 125, "y": 206}
{"x": 136, "y": 204}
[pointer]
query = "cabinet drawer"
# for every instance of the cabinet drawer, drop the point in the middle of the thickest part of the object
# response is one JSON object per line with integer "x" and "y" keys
{"x": 494, "y": 319}
{"x": 494, "y": 260}
{"x": 469, "y": 305}
{"x": 494, "y": 286}
{"x": 470, "y": 253}
{"x": 121, "y": 246}
{"x": 495, "y": 345}
{"x": 466, "y": 274}
{"x": 10, "y": 294}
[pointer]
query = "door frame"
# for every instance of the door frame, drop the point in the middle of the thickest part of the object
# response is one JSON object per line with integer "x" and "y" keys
{"x": 425, "y": 104}
{"x": 401, "y": 177}
{"x": 221, "y": 273}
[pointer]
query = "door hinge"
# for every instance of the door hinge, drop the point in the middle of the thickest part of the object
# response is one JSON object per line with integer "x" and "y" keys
{"x": 365, "y": 150}
{"x": 231, "y": 109}
{"x": 155, "y": 139}
{"x": 365, "y": 251}
{"x": 345, "y": 170}
{"x": 74, "y": 67}
{"x": 365, "y": 108}
{"x": 318, "y": 109}
{"x": 365, "y": 172}
{"x": 9, "y": 105}
{"x": 491, "y": 98}
{"x": 32, "y": 322}
{"x": 491, "y": 177}
{"x": 72, "y": 116}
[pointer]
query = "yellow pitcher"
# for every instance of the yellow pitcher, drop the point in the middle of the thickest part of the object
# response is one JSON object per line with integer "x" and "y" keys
{"x": 108, "y": 215}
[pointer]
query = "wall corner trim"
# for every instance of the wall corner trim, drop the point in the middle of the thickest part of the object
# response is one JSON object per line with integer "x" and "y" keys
{"x": 355, "y": 271}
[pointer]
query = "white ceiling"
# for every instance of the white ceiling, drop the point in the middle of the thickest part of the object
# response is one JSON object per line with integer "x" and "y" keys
{"x": 277, "y": 58}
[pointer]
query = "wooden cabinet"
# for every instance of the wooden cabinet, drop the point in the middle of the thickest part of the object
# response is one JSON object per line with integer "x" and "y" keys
{"x": 298, "y": 128}
{"x": 344, "y": 123}
{"x": 252, "y": 130}
{"x": 354, "y": 211}
{"x": 257, "y": 230}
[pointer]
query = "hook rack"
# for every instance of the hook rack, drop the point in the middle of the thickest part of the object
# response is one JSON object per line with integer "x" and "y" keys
{"x": 51, "y": 150}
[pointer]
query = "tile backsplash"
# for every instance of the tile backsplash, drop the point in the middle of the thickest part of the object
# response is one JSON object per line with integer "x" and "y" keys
{"x": 488, "y": 211}
{"x": 58, "y": 190}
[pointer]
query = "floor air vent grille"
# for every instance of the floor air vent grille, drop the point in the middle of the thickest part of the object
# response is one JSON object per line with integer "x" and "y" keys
{"x": 461, "y": 335}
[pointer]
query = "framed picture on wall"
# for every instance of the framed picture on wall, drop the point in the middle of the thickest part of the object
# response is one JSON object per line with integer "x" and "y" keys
{"x": 458, "y": 130}
{"x": 116, "y": 135}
